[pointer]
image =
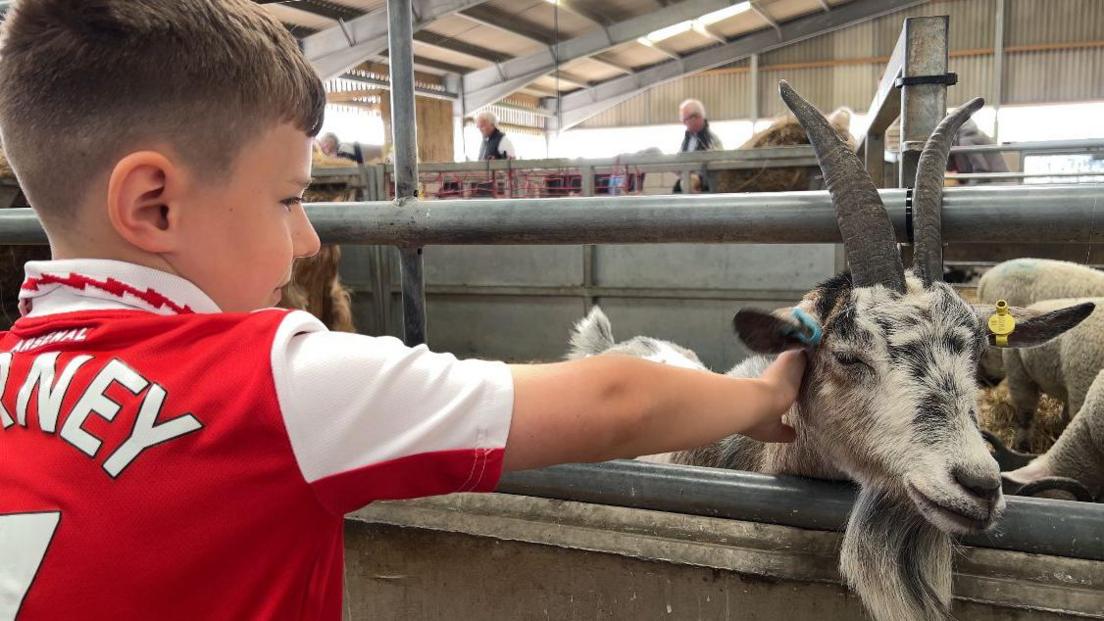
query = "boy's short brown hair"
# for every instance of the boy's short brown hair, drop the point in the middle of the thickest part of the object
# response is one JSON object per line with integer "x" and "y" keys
{"x": 84, "y": 82}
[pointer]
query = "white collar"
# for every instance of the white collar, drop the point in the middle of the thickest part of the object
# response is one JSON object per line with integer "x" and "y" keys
{"x": 99, "y": 284}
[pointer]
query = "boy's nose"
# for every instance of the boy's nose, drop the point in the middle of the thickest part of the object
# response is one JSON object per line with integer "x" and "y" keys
{"x": 305, "y": 242}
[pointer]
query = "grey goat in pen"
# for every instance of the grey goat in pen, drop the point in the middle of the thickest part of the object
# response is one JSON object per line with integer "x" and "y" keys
{"x": 890, "y": 392}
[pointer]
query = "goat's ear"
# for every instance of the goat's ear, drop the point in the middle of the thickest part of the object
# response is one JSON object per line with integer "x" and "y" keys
{"x": 1033, "y": 327}
{"x": 772, "y": 333}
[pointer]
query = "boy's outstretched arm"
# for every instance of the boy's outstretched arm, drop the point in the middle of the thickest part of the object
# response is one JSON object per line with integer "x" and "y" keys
{"x": 608, "y": 407}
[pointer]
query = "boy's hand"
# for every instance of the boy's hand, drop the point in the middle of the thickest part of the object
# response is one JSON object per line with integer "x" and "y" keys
{"x": 781, "y": 381}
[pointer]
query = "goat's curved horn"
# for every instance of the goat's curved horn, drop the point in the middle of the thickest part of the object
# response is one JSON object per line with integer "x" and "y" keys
{"x": 868, "y": 237}
{"x": 927, "y": 196}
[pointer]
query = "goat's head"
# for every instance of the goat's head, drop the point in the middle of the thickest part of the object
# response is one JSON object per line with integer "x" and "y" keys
{"x": 891, "y": 390}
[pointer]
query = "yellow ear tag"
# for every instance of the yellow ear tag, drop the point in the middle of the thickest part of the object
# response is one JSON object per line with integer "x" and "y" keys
{"x": 1002, "y": 323}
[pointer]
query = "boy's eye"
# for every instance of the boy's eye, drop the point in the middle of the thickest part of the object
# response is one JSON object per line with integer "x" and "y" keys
{"x": 291, "y": 202}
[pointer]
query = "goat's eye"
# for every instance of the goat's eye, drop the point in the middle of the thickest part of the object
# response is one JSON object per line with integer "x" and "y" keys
{"x": 853, "y": 362}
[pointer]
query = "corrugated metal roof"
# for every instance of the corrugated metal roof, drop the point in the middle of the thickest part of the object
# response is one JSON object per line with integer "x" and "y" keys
{"x": 840, "y": 68}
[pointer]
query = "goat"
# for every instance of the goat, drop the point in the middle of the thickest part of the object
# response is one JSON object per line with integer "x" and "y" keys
{"x": 316, "y": 288}
{"x": 315, "y": 283}
{"x": 1078, "y": 453}
{"x": 889, "y": 396}
{"x": 1022, "y": 282}
{"x": 1064, "y": 368}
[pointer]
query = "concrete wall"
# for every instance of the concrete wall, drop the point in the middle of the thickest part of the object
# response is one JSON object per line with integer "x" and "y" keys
{"x": 492, "y": 557}
{"x": 518, "y": 303}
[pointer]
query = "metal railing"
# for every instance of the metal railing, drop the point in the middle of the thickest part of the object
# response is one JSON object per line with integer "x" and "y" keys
{"x": 1055, "y": 527}
{"x": 978, "y": 214}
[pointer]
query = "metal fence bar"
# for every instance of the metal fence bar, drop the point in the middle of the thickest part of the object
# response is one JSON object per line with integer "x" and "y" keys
{"x": 1085, "y": 145}
{"x": 792, "y": 156}
{"x": 1018, "y": 214}
{"x": 922, "y": 105}
{"x": 405, "y": 138}
{"x": 1000, "y": 176}
{"x": 1051, "y": 213}
{"x": 1055, "y": 527}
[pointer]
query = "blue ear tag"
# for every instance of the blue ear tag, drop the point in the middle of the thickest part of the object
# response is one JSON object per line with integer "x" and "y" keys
{"x": 811, "y": 334}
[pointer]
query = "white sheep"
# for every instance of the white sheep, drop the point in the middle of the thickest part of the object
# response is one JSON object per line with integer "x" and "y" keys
{"x": 890, "y": 392}
{"x": 1079, "y": 452}
{"x": 1063, "y": 368}
{"x": 1022, "y": 282}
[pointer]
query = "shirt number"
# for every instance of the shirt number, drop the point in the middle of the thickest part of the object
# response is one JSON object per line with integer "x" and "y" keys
{"x": 24, "y": 539}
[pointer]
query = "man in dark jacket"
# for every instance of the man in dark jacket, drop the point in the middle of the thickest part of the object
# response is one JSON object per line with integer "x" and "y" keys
{"x": 698, "y": 136}
{"x": 496, "y": 146}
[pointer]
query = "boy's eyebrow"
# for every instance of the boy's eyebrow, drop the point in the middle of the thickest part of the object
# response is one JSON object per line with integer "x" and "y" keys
{"x": 303, "y": 182}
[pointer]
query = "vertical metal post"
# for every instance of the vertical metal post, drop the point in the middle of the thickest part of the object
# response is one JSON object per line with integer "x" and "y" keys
{"x": 588, "y": 249}
{"x": 874, "y": 157}
{"x": 998, "y": 66}
{"x": 587, "y": 181}
{"x": 753, "y": 77}
{"x": 922, "y": 105}
{"x": 404, "y": 132}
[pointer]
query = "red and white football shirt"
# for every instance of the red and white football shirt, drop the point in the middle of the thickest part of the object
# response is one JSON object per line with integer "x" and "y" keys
{"x": 162, "y": 460}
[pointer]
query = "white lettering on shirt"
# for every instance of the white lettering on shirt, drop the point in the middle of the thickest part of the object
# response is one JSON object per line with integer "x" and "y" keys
{"x": 51, "y": 338}
{"x": 145, "y": 433}
{"x": 49, "y": 397}
{"x": 95, "y": 401}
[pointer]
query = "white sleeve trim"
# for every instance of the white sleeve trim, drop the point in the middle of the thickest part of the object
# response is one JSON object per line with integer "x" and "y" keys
{"x": 507, "y": 146}
{"x": 350, "y": 401}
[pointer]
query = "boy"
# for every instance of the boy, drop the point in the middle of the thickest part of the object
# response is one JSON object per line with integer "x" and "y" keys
{"x": 172, "y": 448}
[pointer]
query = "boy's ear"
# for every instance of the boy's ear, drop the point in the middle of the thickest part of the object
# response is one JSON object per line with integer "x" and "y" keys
{"x": 1034, "y": 328}
{"x": 775, "y": 332}
{"x": 140, "y": 194}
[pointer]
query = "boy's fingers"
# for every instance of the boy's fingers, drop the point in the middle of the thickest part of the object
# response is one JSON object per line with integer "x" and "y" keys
{"x": 781, "y": 433}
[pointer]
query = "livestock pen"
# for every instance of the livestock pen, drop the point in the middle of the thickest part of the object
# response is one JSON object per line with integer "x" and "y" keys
{"x": 636, "y": 540}
{"x": 641, "y": 559}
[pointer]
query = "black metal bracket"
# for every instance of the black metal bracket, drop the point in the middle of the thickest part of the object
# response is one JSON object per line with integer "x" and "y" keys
{"x": 908, "y": 216}
{"x": 949, "y": 79}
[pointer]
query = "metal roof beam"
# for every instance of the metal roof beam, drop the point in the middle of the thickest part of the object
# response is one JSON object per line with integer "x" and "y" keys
{"x": 765, "y": 17}
{"x": 571, "y": 79}
{"x": 342, "y": 47}
{"x": 430, "y": 63}
{"x": 609, "y": 63}
{"x": 648, "y": 43}
{"x": 509, "y": 23}
{"x": 583, "y": 104}
{"x": 708, "y": 32}
{"x": 463, "y": 47}
{"x": 577, "y": 8}
{"x": 488, "y": 85}
{"x": 322, "y": 8}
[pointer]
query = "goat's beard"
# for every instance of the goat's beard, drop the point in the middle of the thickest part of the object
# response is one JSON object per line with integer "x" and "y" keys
{"x": 895, "y": 560}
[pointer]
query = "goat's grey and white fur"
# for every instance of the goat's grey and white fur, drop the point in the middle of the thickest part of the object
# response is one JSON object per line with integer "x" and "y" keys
{"x": 888, "y": 399}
